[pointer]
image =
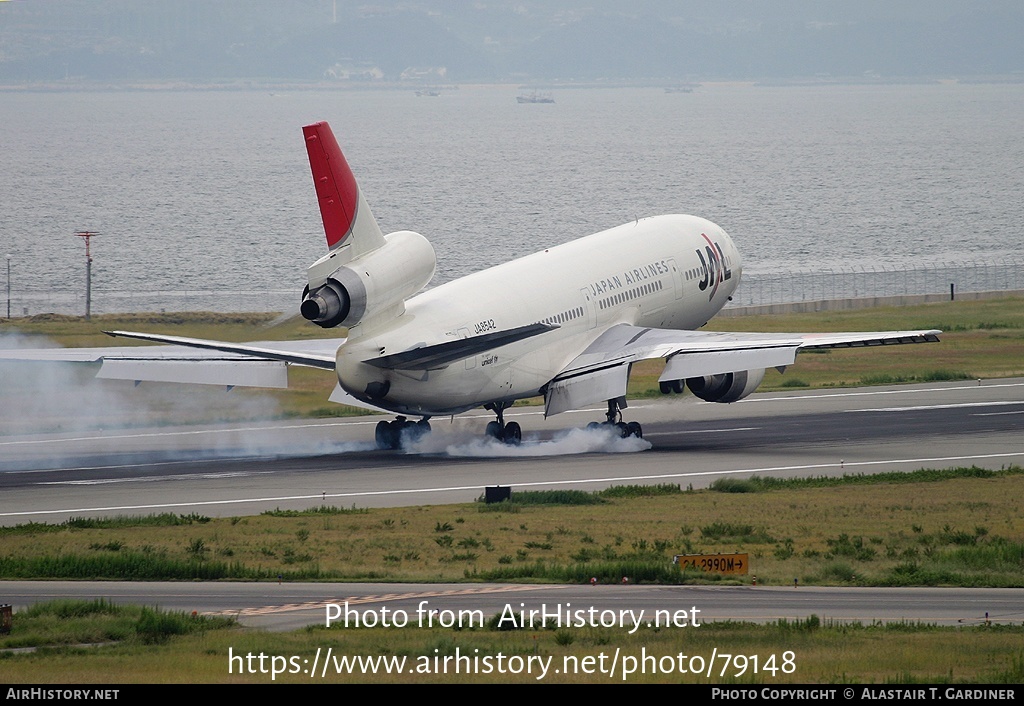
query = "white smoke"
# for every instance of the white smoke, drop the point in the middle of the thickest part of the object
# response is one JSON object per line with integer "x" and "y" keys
{"x": 46, "y": 396}
{"x": 53, "y": 401}
{"x": 464, "y": 443}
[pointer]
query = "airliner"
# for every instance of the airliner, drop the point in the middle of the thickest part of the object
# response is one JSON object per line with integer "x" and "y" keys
{"x": 565, "y": 324}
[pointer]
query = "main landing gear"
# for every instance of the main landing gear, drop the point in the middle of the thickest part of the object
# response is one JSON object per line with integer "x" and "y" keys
{"x": 613, "y": 418}
{"x": 392, "y": 435}
{"x": 510, "y": 433}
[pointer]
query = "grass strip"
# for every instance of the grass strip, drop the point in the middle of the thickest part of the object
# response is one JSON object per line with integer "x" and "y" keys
{"x": 183, "y": 649}
{"x": 959, "y": 527}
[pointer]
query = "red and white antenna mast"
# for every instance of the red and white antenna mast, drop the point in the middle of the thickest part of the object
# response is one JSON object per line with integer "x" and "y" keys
{"x": 87, "y": 234}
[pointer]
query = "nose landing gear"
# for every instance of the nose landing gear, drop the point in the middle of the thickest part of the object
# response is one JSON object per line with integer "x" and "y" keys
{"x": 510, "y": 433}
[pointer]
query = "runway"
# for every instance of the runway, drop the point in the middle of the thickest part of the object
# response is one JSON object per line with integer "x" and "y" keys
{"x": 240, "y": 469}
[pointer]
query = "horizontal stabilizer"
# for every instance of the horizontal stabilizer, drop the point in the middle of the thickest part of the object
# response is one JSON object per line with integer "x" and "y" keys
{"x": 442, "y": 354}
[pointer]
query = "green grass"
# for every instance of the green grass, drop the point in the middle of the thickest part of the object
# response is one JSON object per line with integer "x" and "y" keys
{"x": 929, "y": 527}
{"x": 929, "y": 376}
{"x": 167, "y": 519}
{"x": 756, "y": 484}
{"x": 640, "y": 491}
{"x": 68, "y": 622}
{"x": 314, "y": 511}
{"x": 153, "y": 647}
{"x": 554, "y": 497}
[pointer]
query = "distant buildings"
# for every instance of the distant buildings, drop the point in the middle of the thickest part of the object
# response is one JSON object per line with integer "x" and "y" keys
{"x": 347, "y": 70}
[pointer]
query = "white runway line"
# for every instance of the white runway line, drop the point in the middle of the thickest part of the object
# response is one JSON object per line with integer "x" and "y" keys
{"x": 476, "y": 487}
{"x": 937, "y": 406}
{"x": 922, "y": 390}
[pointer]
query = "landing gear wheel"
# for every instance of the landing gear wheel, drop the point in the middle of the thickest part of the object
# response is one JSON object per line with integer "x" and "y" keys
{"x": 623, "y": 429}
{"x": 665, "y": 386}
{"x": 677, "y": 386}
{"x": 634, "y": 429}
{"x": 387, "y": 435}
{"x": 594, "y": 425}
{"x": 414, "y": 431}
{"x": 509, "y": 433}
{"x": 513, "y": 434}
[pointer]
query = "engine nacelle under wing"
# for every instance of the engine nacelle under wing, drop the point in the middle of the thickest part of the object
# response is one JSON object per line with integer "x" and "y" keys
{"x": 379, "y": 281}
{"x": 727, "y": 387}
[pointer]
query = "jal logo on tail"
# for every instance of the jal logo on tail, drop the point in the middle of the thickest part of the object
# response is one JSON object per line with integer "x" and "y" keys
{"x": 713, "y": 267}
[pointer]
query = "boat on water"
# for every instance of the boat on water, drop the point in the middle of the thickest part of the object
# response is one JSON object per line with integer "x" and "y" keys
{"x": 535, "y": 97}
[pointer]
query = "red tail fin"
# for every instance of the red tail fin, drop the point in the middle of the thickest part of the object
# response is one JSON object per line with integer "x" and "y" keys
{"x": 336, "y": 187}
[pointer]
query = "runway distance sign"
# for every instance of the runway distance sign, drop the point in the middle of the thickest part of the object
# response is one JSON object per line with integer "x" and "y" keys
{"x": 714, "y": 563}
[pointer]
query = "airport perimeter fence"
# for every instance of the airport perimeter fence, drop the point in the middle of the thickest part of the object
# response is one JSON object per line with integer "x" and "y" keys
{"x": 833, "y": 284}
{"x": 757, "y": 289}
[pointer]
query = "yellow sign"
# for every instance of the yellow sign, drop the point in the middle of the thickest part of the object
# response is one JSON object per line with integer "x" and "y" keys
{"x": 717, "y": 563}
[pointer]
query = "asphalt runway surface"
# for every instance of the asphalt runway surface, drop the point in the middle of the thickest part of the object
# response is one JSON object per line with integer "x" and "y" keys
{"x": 244, "y": 469}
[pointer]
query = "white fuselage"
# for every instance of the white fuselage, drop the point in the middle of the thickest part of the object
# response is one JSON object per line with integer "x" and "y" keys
{"x": 671, "y": 272}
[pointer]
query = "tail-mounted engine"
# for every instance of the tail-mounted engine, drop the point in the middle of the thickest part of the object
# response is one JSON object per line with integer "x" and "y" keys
{"x": 372, "y": 284}
{"x": 727, "y": 387}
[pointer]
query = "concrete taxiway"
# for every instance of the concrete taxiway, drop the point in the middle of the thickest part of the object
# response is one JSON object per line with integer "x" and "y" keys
{"x": 293, "y": 605}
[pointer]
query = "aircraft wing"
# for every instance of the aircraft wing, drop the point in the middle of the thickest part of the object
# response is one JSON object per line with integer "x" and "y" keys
{"x": 601, "y": 371}
{"x": 191, "y": 360}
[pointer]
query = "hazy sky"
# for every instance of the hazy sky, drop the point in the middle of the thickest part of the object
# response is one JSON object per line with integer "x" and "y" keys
{"x": 308, "y": 40}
